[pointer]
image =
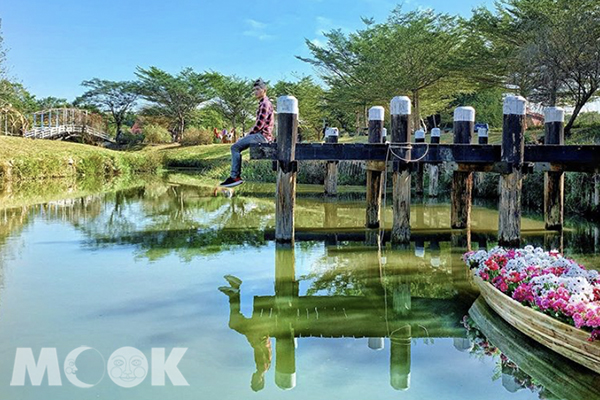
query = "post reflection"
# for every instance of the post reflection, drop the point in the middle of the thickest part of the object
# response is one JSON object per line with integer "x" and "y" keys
{"x": 375, "y": 293}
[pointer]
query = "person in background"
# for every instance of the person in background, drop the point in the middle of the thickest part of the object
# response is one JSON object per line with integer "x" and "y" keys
{"x": 261, "y": 132}
{"x": 217, "y": 135}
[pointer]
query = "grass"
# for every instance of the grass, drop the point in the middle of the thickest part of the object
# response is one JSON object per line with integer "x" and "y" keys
{"x": 30, "y": 159}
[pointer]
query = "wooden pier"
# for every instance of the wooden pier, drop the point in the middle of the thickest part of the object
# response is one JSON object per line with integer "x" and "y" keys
{"x": 403, "y": 158}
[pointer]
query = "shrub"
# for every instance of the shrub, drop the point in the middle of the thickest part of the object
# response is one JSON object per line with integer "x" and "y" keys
{"x": 155, "y": 134}
{"x": 196, "y": 136}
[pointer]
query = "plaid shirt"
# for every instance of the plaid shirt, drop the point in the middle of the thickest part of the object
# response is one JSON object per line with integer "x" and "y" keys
{"x": 264, "y": 119}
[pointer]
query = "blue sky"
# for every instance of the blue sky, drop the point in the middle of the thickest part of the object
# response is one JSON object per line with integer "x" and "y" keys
{"x": 54, "y": 45}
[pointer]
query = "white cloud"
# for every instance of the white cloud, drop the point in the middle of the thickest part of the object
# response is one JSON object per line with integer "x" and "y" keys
{"x": 323, "y": 25}
{"x": 254, "y": 24}
{"x": 317, "y": 42}
{"x": 257, "y": 30}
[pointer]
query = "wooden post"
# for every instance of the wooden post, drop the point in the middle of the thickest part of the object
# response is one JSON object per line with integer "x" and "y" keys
{"x": 434, "y": 169}
{"x": 462, "y": 181}
{"x": 287, "y": 119}
{"x": 482, "y": 138}
{"x": 596, "y": 190}
{"x": 286, "y": 306}
{"x": 331, "y": 171}
{"x": 400, "y": 110}
{"x": 554, "y": 181}
{"x": 374, "y": 169}
{"x": 513, "y": 144}
{"x": 400, "y": 358}
{"x": 419, "y": 138}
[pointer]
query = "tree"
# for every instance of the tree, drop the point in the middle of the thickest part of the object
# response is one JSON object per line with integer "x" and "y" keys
{"x": 311, "y": 103}
{"x": 419, "y": 53}
{"x": 51, "y": 102}
{"x": 5, "y": 88}
{"x": 115, "y": 98}
{"x": 548, "y": 50}
{"x": 234, "y": 99}
{"x": 174, "y": 97}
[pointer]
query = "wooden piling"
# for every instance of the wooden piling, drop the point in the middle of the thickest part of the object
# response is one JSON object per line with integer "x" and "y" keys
{"x": 400, "y": 358}
{"x": 286, "y": 306}
{"x": 482, "y": 138}
{"x": 554, "y": 181}
{"x": 287, "y": 119}
{"x": 400, "y": 110}
{"x": 434, "y": 169}
{"x": 419, "y": 138}
{"x": 462, "y": 181}
{"x": 374, "y": 169}
{"x": 513, "y": 144}
{"x": 331, "y": 171}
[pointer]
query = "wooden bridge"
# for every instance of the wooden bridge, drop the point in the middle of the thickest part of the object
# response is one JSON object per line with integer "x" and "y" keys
{"x": 512, "y": 160}
{"x": 64, "y": 123}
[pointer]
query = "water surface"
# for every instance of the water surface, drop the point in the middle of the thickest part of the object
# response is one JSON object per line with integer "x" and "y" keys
{"x": 341, "y": 313}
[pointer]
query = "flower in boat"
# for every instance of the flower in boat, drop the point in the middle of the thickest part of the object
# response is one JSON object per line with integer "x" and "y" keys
{"x": 543, "y": 280}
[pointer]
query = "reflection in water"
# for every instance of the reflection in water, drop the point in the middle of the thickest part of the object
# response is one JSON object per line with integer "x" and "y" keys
{"x": 355, "y": 284}
{"x": 524, "y": 362}
{"x": 371, "y": 297}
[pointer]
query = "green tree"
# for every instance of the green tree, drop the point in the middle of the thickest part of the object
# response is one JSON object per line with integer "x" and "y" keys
{"x": 51, "y": 102}
{"x": 175, "y": 97}
{"x": 234, "y": 99}
{"x": 545, "y": 49}
{"x": 114, "y": 98}
{"x": 487, "y": 103}
{"x": 311, "y": 104}
{"x": 419, "y": 53}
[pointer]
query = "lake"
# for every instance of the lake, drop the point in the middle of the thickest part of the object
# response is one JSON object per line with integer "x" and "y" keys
{"x": 340, "y": 314}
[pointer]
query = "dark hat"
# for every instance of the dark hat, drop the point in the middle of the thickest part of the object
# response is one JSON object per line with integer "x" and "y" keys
{"x": 259, "y": 83}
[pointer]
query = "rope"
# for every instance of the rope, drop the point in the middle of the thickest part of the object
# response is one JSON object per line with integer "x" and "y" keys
{"x": 405, "y": 146}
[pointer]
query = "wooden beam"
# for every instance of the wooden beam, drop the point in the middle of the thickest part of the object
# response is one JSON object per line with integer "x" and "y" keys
{"x": 462, "y": 181}
{"x": 400, "y": 108}
{"x": 434, "y": 169}
{"x": 287, "y": 118}
{"x": 331, "y": 169}
{"x": 513, "y": 134}
{"x": 419, "y": 138}
{"x": 374, "y": 176}
{"x": 554, "y": 181}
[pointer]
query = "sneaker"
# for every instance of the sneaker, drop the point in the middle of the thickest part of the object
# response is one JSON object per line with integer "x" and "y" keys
{"x": 231, "y": 182}
{"x": 229, "y": 291}
{"x": 234, "y": 281}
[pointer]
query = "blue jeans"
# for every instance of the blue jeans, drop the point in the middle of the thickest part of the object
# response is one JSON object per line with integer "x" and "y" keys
{"x": 238, "y": 147}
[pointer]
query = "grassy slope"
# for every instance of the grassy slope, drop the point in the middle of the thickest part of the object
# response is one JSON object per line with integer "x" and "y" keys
{"x": 23, "y": 159}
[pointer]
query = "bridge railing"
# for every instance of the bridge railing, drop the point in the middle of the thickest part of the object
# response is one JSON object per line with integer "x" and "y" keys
{"x": 49, "y": 132}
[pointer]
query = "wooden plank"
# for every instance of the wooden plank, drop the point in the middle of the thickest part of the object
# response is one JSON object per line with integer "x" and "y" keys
{"x": 569, "y": 157}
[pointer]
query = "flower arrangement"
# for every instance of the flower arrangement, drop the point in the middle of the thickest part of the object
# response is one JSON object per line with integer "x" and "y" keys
{"x": 546, "y": 281}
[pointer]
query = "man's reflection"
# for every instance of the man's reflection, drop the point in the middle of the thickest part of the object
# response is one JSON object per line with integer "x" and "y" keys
{"x": 258, "y": 338}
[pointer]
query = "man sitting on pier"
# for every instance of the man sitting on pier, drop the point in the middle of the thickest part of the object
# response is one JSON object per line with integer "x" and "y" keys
{"x": 260, "y": 133}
